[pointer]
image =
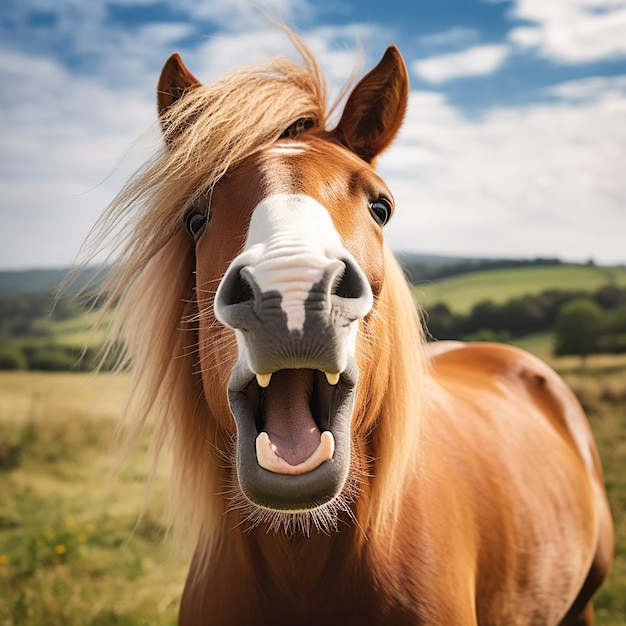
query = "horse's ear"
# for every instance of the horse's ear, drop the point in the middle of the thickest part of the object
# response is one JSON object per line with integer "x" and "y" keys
{"x": 174, "y": 81}
{"x": 375, "y": 109}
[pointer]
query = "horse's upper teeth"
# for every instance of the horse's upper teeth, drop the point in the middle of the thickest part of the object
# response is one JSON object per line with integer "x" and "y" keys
{"x": 332, "y": 379}
{"x": 263, "y": 379}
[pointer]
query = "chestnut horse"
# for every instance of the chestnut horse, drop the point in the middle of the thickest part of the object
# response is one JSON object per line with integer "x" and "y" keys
{"x": 332, "y": 466}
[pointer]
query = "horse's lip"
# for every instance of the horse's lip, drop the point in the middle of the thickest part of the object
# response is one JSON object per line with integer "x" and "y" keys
{"x": 286, "y": 492}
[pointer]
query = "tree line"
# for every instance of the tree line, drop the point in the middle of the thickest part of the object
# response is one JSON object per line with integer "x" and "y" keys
{"x": 600, "y": 316}
{"x": 418, "y": 268}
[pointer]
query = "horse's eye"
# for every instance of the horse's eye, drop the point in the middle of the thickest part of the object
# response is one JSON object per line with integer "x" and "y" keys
{"x": 196, "y": 223}
{"x": 380, "y": 210}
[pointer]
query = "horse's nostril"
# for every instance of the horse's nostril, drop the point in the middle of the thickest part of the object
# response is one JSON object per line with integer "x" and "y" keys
{"x": 350, "y": 283}
{"x": 237, "y": 288}
{"x": 235, "y": 298}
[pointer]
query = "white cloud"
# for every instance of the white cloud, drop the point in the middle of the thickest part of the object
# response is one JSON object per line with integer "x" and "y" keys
{"x": 243, "y": 14}
{"x": 572, "y": 31}
{"x": 607, "y": 88}
{"x": 63, "y": 132}
{"x": 543, "y": 179}
{"x": 61, "y": 139}
{"x": 475, "y": 61}
{"x": 453, "y": 36}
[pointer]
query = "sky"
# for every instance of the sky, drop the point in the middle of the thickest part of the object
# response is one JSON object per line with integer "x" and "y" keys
{"x": 514, "y": 143}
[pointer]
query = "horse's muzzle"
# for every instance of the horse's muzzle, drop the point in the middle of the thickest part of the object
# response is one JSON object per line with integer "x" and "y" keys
{"x": 292, "y": 391}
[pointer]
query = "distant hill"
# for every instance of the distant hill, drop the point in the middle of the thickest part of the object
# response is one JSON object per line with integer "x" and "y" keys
{"x": 19, "y": 282}
{"x": 419, "y": 268}
{"x": 484, "y": 299}
{"x": 462, "y": 291}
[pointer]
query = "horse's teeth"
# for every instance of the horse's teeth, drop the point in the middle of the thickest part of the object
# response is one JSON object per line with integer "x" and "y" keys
{"x": 263, "y": 379}
{"x": 332, "y": 379}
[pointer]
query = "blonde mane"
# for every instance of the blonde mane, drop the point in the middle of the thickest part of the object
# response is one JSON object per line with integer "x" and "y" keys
{"x": 389, "y": 403}
{"x": 151, "y": 285}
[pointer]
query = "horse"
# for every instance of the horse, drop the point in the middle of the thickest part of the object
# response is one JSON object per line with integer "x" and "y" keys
{"x": 332, "y": 465}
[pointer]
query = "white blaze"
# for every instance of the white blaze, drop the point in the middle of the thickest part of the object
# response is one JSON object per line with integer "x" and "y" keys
{"x": 290, "y": 148}
{"x": 291, "y": 243}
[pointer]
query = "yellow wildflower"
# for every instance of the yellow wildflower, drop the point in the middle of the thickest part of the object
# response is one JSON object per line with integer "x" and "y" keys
{"x": 60, "y": 549}
{"x": 4, "y": 559}
{"x": 82, "y": 538}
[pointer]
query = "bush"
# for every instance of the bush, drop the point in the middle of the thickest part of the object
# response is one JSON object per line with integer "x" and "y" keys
{"x": 488, "y": 335}
{"x": 12, "y": 357}
{"x": 614, "y": 338}
{"x": 51, "y": 358}
{"x": 441, "y": 323}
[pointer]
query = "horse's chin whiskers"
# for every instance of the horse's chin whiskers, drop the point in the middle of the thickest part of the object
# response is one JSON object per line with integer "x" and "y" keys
{"x": 324, "y": 519}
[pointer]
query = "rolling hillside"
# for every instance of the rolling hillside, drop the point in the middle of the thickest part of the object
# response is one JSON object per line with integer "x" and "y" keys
{"x": 461, "y": 293}
{"x": 18, "y": 282}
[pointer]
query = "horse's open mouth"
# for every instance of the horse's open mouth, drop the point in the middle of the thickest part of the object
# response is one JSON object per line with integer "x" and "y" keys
{"x": 294, "y": 408}
{"x": 293, "y": 435}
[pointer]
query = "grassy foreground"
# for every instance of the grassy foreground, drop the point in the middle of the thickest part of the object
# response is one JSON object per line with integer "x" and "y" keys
{"x": 71, "y": 550}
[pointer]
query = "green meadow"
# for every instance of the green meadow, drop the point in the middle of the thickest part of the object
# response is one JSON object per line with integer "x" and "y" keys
{"x": 74, "y": 332}
{"x": 461, "y": 293}
{"x": 74, "y": 549}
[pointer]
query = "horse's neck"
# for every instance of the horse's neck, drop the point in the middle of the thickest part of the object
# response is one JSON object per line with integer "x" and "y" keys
{"x": 294, "y": 564}
{"x": 294, "y": 579}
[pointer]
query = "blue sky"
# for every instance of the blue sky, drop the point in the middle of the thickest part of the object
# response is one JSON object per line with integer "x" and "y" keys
{"x": 514, "y": 144}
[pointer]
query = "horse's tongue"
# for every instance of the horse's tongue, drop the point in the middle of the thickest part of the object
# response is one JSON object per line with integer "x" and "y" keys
{"x": 287, "y": 417}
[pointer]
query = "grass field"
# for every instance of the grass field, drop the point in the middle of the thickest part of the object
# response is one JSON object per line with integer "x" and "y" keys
{"x": 72, "y": 552}
{"x": 461, "y": 293}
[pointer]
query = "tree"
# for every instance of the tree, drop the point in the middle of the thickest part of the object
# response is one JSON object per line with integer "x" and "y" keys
{"x": 578, "y": 328}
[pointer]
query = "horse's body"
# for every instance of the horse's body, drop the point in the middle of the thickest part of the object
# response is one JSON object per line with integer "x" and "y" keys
{"x": 338, "y": 471}
{"x": 504, "y": 526}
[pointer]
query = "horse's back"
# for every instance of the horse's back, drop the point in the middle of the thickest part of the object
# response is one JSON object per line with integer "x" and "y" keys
{"x": 506, "y": 421}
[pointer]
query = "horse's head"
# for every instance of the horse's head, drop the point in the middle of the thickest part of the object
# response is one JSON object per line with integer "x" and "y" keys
{"x": 292, "y": 237}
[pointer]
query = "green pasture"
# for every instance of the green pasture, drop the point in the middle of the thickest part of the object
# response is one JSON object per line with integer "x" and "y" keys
{"x": 540, "y": 344}
{"x": 461, "y": 293}
{"x": 74, "y": 550}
